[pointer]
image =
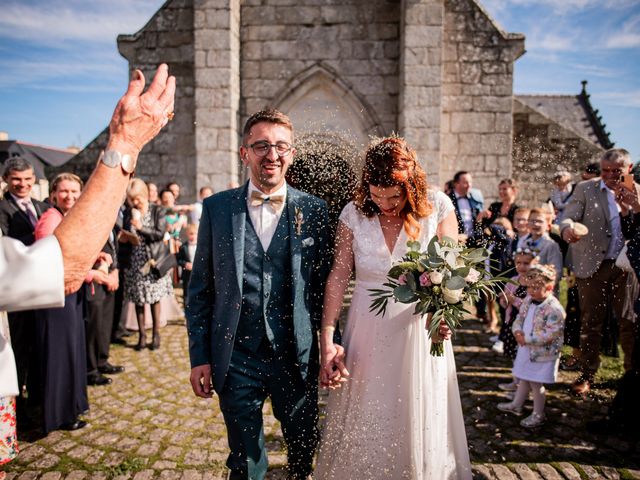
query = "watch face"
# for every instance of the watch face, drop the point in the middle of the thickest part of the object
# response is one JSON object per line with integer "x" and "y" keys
{"x": 128, "y": 163}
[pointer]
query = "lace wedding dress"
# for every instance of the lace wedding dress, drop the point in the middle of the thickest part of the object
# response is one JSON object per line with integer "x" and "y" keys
{"x": 399, "y": 415}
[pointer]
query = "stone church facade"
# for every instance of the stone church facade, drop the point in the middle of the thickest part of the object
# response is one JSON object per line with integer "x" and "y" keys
{"x": 438, "y": 72}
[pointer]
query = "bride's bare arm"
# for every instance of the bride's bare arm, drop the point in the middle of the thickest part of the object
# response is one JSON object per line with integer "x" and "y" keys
{"x": 448, "y": 227}
{"x": 332, "y": 370}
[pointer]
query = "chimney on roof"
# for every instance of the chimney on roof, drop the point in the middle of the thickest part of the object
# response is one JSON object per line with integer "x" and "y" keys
{"x": 4, "y": 136}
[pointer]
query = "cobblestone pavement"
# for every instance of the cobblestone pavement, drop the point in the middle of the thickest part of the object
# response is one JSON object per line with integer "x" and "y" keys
{"x": 147, "y": 424}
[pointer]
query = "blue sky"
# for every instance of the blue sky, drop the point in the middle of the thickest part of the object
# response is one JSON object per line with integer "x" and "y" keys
{"x": 61, "y": 73}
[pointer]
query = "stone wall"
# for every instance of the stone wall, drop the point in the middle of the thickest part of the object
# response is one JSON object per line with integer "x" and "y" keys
{"x": 217, "y": 80}
{"x": 420, "y": 81}
{"x": 541, "y": 148}
{"x": 477, "y": 91}
{"x": 346, "y": 50}
{"x": 167, "y": 37}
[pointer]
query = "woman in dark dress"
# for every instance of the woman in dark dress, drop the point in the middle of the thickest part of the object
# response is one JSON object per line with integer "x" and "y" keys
{"x": 144, "y": 225}
{"x": 505, "y": 207}
{"x": 61, "y": 384}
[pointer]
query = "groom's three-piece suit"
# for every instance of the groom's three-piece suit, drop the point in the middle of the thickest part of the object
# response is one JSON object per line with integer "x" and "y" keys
{"x": 254, "y": 310}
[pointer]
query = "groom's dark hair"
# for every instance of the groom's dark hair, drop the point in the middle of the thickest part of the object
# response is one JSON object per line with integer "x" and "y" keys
{"x": 268, "y": 115}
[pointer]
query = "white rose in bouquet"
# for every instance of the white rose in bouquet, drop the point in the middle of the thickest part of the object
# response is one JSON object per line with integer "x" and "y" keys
{"x": 436, "y": 277}
{"x": 473, "y": 276}
{"x": 452, "y": 296}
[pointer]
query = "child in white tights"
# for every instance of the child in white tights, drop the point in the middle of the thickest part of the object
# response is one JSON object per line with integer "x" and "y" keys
{"x": 538, "y": 329}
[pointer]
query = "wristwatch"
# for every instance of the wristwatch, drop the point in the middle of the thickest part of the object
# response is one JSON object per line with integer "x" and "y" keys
{"x": 113, "y": 159}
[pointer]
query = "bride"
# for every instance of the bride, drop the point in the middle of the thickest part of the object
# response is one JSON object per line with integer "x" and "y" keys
{"x": 394, "y": 410}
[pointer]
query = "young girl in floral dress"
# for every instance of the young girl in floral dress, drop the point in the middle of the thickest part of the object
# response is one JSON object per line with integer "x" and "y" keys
{"x": 538, "y": 329}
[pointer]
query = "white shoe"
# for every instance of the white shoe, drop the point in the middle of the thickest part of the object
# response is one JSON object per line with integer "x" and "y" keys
{"x": 533, "y": 421}
{"x": 508, "y": 387}
{"x": 510, "y": 407}
{"x": 510, "y": 395}
{"x": 498, "y": 347}
{"x": 494, "y": 338}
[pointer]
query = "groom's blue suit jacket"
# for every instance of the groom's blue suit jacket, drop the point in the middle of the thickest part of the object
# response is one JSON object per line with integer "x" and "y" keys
{"x": 215, "y": 290}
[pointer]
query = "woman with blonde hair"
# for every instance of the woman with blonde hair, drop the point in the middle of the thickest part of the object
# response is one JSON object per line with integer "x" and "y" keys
{"x": 144, "y": 226}
{"x": 399, "y": 414}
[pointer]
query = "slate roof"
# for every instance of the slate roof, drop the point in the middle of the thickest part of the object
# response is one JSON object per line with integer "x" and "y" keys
{"x": 39, "y": 156}
{"x": 573, "y": 112}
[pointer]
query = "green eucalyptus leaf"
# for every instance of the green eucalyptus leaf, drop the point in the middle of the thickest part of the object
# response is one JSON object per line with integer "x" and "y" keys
{"x": 455, "y": 283}
{"x": 404, "y": 294}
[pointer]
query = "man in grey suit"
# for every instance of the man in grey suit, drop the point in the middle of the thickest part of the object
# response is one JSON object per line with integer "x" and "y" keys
{"x": 592, "y": 259}
{"x": 255, "y": 302}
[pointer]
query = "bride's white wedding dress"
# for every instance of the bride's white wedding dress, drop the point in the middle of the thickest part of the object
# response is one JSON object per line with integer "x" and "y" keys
{"x": 399, "y": 415}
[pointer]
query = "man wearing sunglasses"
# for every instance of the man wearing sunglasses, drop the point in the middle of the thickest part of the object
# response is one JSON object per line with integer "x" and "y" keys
{"x": 256, "y": 302}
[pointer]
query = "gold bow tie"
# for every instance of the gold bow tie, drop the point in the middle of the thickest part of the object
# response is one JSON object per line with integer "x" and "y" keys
{"x": 257, "y": 199}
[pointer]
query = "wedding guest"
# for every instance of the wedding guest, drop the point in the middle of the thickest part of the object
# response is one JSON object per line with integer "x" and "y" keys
{"x": 539, "y": 240}
{"x": 60, "y": 385}
{"x": 538, "y": 330}
{"x": 520, "y": 227}
{"x": 592, "y": 258}
{"x": 174, "y": 220}
{"x": 144, "y": 226}
{"x": 397, "y": 394}
{"x": 560, "y": 193}
{"x": 505, "y": 207}
{"x": 195, "y": 212}
{"x": 186, "y": 255}
{"x": 467, "y": 205}
{"x": 174, "y": 188}
{"x": 19, "y": 214}
{"x": 100, "y": 294}
{"x": 623, "y": 415}
{"x": 153, "y": 193}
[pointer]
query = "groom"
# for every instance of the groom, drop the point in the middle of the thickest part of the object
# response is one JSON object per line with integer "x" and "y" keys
{"x": 255, "y": 302}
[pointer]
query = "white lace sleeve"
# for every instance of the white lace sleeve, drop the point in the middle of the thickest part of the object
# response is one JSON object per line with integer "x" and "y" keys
{"x": 442, "y": 205}
{"x": 349, "y": 216}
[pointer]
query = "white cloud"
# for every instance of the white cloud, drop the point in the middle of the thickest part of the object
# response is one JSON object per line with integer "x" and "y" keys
{"x": 627, "y": 37}
{"x": 65, "y": 74}
{"x": 58, "y": 21}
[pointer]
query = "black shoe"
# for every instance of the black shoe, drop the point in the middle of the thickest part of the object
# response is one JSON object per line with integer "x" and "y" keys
{"x": 155, "y": 344}
{"x": 111, "y": 369}
{"x": 141, "y": 345}
{"x": 77, "y": 425}
{"x": 98, "y": 380}
{"x": 119, "y": 341}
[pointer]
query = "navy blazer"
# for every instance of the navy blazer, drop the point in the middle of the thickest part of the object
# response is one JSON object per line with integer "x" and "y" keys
{"x": 215, "y": 289}
{"x": 14, "y": 222}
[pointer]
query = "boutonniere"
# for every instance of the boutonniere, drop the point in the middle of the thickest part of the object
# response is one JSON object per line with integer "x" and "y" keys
{"x": 299, "y": 220}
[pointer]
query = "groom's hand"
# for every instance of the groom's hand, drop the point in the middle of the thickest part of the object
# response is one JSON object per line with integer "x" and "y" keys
{"x": 333, "y": 371}
{"x": 201, "y": 381}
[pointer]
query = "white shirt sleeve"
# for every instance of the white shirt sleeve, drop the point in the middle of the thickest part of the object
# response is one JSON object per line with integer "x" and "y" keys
{"x": 31, "y": 277}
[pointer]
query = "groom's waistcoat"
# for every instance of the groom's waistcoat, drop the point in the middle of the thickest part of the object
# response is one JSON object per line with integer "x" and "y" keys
{"x": 266, "y": 290}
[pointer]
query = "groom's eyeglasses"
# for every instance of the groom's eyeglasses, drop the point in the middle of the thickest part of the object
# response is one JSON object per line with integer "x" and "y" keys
{"x": 262, "y": 147}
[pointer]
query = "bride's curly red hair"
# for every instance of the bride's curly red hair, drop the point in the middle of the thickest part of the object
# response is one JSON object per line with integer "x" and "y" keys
{"x": 392, "y": 162}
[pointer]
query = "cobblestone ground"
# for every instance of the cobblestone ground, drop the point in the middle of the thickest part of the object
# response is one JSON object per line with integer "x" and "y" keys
{"x": 147, "y": 424}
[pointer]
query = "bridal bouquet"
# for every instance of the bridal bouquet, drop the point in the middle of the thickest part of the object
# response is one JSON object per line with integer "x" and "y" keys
{"x": 438, "y": 281}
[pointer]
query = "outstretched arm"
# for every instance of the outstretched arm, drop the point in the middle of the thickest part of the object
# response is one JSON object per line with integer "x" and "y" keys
{"x": 332, "y": 368}
{"x": 137, "y": 119}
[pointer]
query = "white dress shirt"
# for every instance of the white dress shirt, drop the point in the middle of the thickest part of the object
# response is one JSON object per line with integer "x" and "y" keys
{"x": 617, "y": 239}
{"x": 26, "y": 205}
{"x": 265, "y": 217}
{"x": 466, "y": 215}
